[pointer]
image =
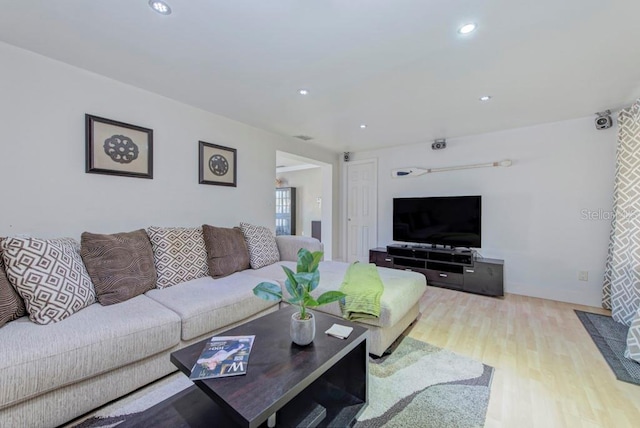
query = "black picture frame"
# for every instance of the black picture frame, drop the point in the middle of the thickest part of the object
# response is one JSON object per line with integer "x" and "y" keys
{"x": 118, "y": 148}
{"x": 217, "y": 165}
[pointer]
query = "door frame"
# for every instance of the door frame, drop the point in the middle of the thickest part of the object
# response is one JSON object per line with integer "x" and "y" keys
{"x": 344, "y": 242}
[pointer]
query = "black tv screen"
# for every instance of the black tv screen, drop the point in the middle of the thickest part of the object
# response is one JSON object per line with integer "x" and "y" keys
{"x": 444, "y": 220}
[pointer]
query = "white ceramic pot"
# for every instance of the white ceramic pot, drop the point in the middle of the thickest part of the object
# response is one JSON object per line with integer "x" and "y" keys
{"x": 302, "y": 331}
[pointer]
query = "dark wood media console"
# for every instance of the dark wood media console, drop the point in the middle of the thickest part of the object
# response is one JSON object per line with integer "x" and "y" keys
{"x": 448, "y": 268}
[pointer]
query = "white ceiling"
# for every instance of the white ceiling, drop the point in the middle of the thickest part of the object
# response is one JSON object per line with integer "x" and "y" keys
{"x": 397, "y": 65}
{"x": 287, "y": 163}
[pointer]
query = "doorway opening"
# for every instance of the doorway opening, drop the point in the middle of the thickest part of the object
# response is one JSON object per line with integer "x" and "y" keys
{"x": 313, "y": 184}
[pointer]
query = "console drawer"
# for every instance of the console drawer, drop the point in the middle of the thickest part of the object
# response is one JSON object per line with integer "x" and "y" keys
{"x": 443, "y": 277}
{"x": 484, "y": 278}
{"x": 380, "y": 258}
{"x": 383, "y": 259}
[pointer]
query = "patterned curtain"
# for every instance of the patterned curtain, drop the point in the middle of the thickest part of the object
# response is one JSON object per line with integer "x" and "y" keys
{"x": 621, "y": 289}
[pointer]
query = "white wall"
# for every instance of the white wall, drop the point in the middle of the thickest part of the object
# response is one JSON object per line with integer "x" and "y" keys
{"x": 46, "y": 193}
{"x": 308, "y": 184}
{"x": 532, "y": 211}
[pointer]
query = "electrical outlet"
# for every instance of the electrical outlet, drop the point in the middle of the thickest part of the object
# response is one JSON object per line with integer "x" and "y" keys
{"x": 583, "y": 275}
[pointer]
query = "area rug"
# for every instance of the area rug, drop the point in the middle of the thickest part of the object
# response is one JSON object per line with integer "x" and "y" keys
{"x": 611, "y": 339}
{"x": 416, "y": 385}
{"x": 421, "y": 385}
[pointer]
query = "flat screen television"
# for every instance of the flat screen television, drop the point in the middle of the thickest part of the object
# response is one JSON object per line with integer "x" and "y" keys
{"x": 453, "y": 221}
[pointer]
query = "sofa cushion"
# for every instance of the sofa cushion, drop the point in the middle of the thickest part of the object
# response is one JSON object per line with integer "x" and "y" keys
{"x": 261, "y": 242}
{"x": 226, "y": 250}
{"x": 179, "y": 254}
{"x": 289, "y": 245}
{"x": 207, "y": 304}
{"x": 11, "y": 304}
{"x": 49, "y": 276}
{"x": 274, "y": 272}
{"x": 93, "y": 341}
{"x": 120, "y": 265}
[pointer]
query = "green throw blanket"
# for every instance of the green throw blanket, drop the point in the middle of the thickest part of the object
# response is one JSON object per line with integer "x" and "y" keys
{"x": 363, "y": 287}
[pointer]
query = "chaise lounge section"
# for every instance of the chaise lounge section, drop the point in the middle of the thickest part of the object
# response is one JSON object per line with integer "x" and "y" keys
{"x": 399, "y": 302}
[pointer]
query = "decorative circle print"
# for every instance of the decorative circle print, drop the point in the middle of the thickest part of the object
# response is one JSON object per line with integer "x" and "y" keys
{"x": 218, "y": 165}
{"x": 121, "y": 149}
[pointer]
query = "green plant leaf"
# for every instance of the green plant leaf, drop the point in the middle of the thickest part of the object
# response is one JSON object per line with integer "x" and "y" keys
{"x": 304, "y": 279}
{"x": 315, "y": 280}
{"x": 330, "y": 296}
{"x": 309, "y": 301}
{"x": 291, "y": 283}
{"x": 317, "y": 257}
{"x": 291, "y": 289}
{"x": 289, "y": 274}
{"x": 305, "y": 260}
{"x": 296, "y": 301}
{"x": 268, "y": 291}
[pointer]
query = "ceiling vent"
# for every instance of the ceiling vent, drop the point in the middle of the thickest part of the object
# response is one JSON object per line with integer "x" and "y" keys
{"x": 303, "y": 137}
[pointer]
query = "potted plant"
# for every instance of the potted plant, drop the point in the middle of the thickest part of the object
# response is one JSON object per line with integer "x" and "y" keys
{"x": 299, "y": 285}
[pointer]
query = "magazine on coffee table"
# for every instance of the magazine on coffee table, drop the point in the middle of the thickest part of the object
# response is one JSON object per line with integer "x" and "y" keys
{"x": 223, "y": 356}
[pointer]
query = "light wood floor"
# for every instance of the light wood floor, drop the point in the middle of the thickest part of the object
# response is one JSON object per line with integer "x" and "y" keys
{"x": 548, "y": 371}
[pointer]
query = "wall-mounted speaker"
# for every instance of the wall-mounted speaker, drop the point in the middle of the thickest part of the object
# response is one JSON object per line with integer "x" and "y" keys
{"x": 603, "y": 121}
{"x": 439, "y": 144}
{"x": 347, "y": 156}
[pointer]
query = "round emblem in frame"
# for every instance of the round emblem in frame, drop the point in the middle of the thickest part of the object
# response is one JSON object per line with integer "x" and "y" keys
{"x": 218, "y": 165}
{"x": 121, "y": 149}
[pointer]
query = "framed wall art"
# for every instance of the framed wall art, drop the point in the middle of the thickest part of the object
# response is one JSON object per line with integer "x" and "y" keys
{"x": 218, "y": 165}
{"x": 117, "y": 148}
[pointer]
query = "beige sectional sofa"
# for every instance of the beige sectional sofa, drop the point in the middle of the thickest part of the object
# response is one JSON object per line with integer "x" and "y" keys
{"x": 51, "y": 374}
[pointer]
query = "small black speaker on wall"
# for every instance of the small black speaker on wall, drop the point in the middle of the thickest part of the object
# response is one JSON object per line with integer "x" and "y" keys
{"x": 439, "y": 144}
{"x": 603, "y": 121}
{"x": 347, "y": 156}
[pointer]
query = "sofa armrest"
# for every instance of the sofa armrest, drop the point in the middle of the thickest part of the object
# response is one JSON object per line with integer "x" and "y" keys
{"x": 289, "y": 245}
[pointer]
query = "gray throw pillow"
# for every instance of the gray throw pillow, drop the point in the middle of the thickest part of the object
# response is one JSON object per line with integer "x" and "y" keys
{"x": 179, "y": 254}
{"x": 49, "y": 276}
{"x": 120, "y": 265}
{"x": 263, "y": 250}
{"x": 226, "y": 250}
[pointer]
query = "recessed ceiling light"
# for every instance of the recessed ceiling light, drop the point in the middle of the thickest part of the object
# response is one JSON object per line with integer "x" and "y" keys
{"x": 303, "y": 92}
{"x": 467, "y": 28}
{"x": 485, "y": 98}
{"x": 160, "y": 7}
{"x": 362, "y": 126}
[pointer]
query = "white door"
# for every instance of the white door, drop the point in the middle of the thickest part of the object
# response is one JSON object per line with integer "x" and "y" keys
{"x": 362, "y": 202}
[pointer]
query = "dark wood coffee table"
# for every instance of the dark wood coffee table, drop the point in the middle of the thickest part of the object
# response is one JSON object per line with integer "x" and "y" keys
{"x": 322, "y": 384}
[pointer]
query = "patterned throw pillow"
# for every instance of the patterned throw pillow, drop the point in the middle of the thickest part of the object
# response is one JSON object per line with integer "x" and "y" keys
{"x": 179, "y": 254}
{"x": 49, "y": 275}
{"x": 120, "y": 265}
{"x": 263, "y": 250}
{"x": 226, "y": 250}
{"x": 11, "y": 304}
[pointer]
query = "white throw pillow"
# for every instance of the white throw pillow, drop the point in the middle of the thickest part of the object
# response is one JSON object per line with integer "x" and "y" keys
{"x": 50, "y": 277}
{"x": 179, "y": 254}
{"x": 263, "y": 250}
